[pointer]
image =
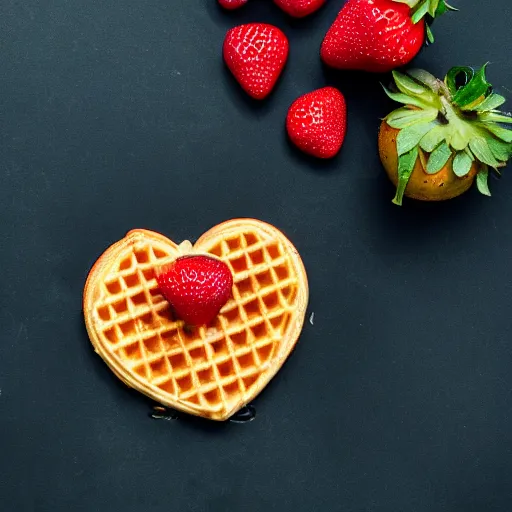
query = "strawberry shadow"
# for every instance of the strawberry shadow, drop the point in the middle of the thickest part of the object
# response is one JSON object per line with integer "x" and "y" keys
{"x": 393, "y": 229}
{"x": 313, "y": 163}
{"x": 361, "y": 90}
{"x": 416, "y": 225}
{"x": 242, "y": 100}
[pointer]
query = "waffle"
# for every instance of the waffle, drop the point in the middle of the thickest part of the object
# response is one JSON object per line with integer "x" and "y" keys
{"x": 210, "y": 371}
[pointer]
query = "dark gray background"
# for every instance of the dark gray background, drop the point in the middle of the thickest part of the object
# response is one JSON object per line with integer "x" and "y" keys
{"x": 117, "y": 114}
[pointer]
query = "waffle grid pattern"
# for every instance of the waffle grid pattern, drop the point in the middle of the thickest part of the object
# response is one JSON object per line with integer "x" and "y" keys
{"x": 211, "y": 367}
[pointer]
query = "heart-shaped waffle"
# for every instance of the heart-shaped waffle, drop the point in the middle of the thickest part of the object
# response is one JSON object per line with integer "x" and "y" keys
{"x": 210, "y": 371}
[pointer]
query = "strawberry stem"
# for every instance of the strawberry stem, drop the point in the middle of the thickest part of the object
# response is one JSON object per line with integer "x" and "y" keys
{"x": 427, "y": 10}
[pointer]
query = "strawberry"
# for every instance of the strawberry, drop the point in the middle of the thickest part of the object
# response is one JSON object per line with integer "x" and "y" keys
{"x": 256, "y": 54}
{"x": 299, "y": 8}
{"x": 379, "y": 35}
{"x": 196, "y": 286}
{"x": 316, "y": 122}
{"x": 231, "y": 5}
{"x": 447, "y": 135}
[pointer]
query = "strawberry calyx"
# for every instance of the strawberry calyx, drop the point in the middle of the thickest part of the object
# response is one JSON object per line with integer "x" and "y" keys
{"x": 455, "y": 118}
{"x": 427, "y": 10}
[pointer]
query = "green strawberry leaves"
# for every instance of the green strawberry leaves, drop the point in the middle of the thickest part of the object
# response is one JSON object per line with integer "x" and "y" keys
{"x": 434, "y": 7}
{"x": 410, "y": 137}
{"x": 482, "y": 181}
{"x": 426, "y": 78}
{"x": 405, "y": 99}
{"x": 474, "y": 92}
{"x": 421, "y": 11}
{"x": 438, "y": 158}
{"x": 495, "y": 117}
{"x": 462, "y": 163}
{"x": 454, "y": 122}
{"x": 457, "y": 77}
{"x": 502, "y": 133}
{"x": 442, "y": 7}
{"x": 502, "y": 151}
{"x": 482, "y": 151}
{"x": 431, "y": 9}
{"x": 421, "y": 8}
{"x": 405, "y": 117}
{"x": 430, "y": 34}
{"x": 406, "y": 163}
{"x": 433, "y": 138}
{"x": 407, "y": 85}
{"x": 492, "y": 102}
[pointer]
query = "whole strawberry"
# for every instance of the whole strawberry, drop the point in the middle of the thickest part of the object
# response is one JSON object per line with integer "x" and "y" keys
{"x": 256, "y": 54}
{"x": 231, "y": 5}
{"x": 196, "y": 286}
{"x": 299, "y": 8}
{"x": 447, "y": 135}
{"x": 379, "y": 35}
{"x": 316, "y": 122}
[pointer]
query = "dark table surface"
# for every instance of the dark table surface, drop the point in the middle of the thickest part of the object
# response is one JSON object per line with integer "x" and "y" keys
{"x": 117, "y": 114}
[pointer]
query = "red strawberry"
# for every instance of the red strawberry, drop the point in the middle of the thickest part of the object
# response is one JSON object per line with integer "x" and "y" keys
{"x": 231, "y": 5}
{"x": 299, "y": 8}
{"x": 256, "y": 54}
{"x": 379, "y": 35}
{"x": 317, "y": 122}
{"x": 196, "y": 286}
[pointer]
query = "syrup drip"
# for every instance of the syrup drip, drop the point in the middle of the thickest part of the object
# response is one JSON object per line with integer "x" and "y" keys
{"x": 163, "y": 413}
{"x": 244, "y": 415}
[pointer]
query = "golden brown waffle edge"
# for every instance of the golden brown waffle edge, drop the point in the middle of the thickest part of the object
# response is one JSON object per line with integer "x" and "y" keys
{"x": 210, "y": 371}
